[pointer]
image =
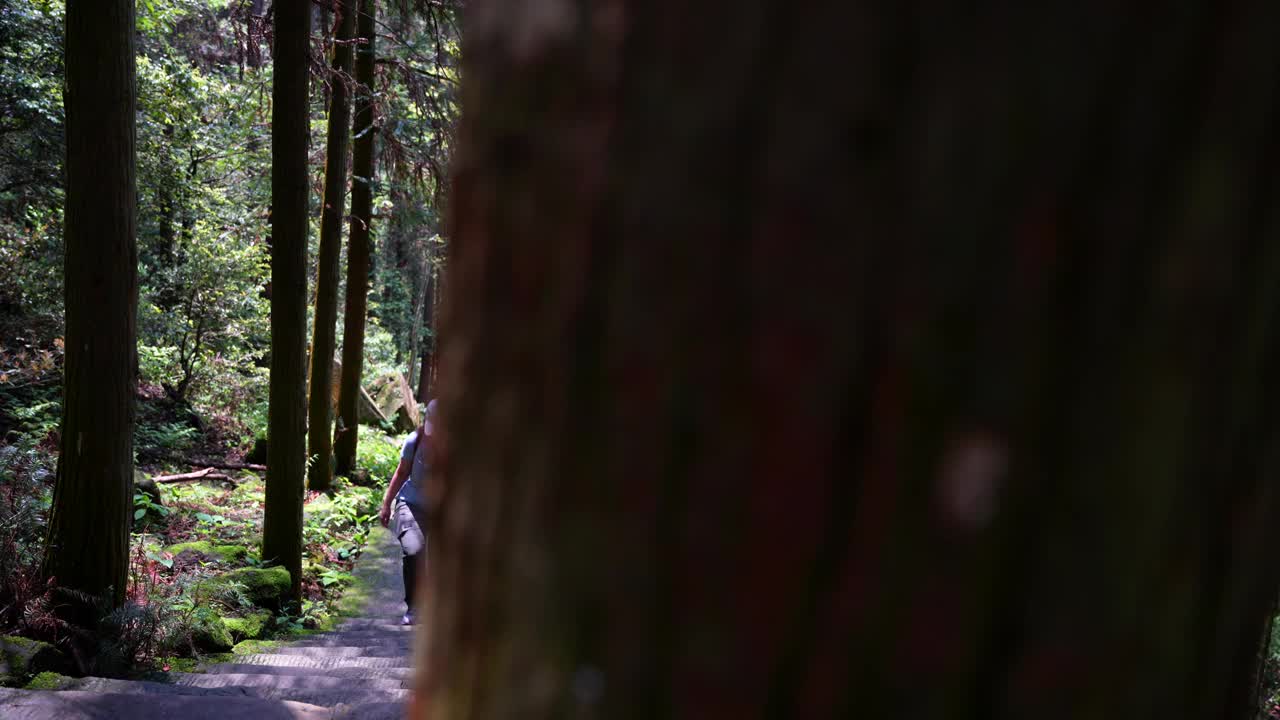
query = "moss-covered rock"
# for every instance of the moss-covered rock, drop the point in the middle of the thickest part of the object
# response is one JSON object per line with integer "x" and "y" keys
{"x": 265, "y": 587}
{"x": 254, "y": 647}
{"x": 212, "y": 636}
{"x": 20, "y": 658}
{"x": 176, "y": 664}
{"x": 249, "y": 627}
{"x": 49, "y": 681}
{"x": 229, "y": 554}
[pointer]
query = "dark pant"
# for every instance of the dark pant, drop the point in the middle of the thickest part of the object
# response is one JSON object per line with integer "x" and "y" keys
{"x": 413, "y": 543}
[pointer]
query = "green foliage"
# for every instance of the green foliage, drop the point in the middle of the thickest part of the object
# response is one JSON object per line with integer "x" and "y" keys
{"x": 173, "y": 436}
{"x": 31, "y": 149}
{"x": 144, "y": 505}
{"x": 377, "y": 453}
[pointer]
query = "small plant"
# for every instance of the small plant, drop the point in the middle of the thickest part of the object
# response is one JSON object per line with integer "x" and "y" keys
{"x": 333, "y": 576}
{"x": 170, "y": 436}
{"x": 144, "y": 505}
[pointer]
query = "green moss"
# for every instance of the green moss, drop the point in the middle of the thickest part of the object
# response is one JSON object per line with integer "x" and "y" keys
{"x": 253, "y": 647}
{"x": 21, "y": 657}
{"x": 354, "y": 599}
{"x": 265, "y": 587}
{"x": 212, "y": 635}
{"x": 179, "y": 664}
{"x": 249, "y": 627}
{"x": 224, "y": 553}
{"x": 48, "y": 681}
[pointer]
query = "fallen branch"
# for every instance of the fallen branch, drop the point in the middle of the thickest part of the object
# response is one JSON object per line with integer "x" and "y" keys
{"x": 227, "y": 466}
{"x": 205, "y": 474}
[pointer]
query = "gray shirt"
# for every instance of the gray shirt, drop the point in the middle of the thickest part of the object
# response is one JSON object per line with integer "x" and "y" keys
{"x": 411, "y": 491}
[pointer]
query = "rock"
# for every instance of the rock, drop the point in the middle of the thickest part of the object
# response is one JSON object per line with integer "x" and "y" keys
{"x": 212, "y": 636}
{"x": 396, "y": 402}
{"x": 258, "y": 455}
{"x": 254, "y": 647}
{"x": 367, "y": 410}
{"x": 21, "y": 657}
{"x": 361, "y": 478}
{"x": 265, "y": 587}
{"x": 228, "y": 554}
{"x": 249, "y": 627}
{"x": 147, "y": 486}
{"x": 49, "y": 681}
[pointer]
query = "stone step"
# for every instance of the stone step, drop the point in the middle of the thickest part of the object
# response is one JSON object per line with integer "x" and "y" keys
{"x": 144, "y": 687}
{"x": 356, "y": 637}
{"x": 324, "y": 663}
{"x": 307, "y": 681}
{"x": 341, "y": 651}
{"x": 352, "y": 673}
{"x": 296, "y": 692}
{"x": 388, "y": 624}
{"x": 84, "y": 705}
{"x": 323, "y": 697}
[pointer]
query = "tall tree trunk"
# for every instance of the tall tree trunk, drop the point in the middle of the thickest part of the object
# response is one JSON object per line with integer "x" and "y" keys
{"x": 287, "y": 421}
{"x": 959, "y": 397}
{"x": 320, "y": 415}
{"x": 415, "y": 328}
{"x": 428, "y": 348}
{"x": 358, "y": 250}
{"x": 88, "y": 543}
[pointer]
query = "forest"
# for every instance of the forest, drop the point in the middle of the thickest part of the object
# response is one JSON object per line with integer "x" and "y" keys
{"x": 833, "y": 359}
{"x": 189, "y": 578}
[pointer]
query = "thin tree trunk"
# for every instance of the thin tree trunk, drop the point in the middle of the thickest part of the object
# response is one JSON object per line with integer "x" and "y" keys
{"x": 415, "y": 329}
{"x": 88, "y": 542}
{"x": 358, "y": 249}
{"x": 848, "y": 360}
{"x": 287, "y": 421}
{"x": 320, "y": 415}
{"x": 428, "y": 348}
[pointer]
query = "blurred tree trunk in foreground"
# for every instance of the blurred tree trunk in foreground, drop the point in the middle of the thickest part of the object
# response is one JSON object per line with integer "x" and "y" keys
{"x": 853, "y": 359}
{"x": 287, "y": 412}
{"x": 88, "y": 547}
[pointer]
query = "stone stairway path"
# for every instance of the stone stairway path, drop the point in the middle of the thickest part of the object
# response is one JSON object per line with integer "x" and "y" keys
{"x": 359, "y": 670}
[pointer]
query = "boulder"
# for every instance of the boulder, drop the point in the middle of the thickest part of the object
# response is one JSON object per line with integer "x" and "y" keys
{"x": 49, "y": 681}
{"x": 265, "y": 587}
{"x": 396, "y": 402}
{"x": 258, "y": 455}
{"x": 212, "y": 636}
{"x": 228, "y": 554}
{"x": 249, "y": 627}
{"x": 21, "y": 658}
{"x": 366, "y": 409}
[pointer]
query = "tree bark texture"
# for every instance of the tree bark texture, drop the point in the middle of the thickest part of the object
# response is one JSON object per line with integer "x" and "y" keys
{"x": 423, "y": 297}
{"x": 320, "y": 411}
{"x": 853, "y": 359}
{"x": 287, "y": 406}
{"x": 358, "y": 242}
{"x": 428, "y": 348}
{"x": 88, "y": 543}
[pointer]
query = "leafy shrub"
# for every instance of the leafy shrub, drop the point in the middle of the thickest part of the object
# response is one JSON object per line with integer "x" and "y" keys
{"x": 377, "y": 453}
{"x": 167, "y": 436}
